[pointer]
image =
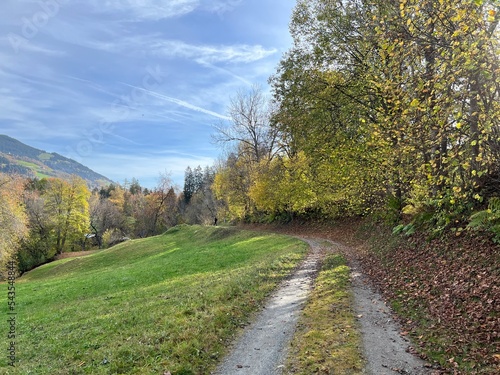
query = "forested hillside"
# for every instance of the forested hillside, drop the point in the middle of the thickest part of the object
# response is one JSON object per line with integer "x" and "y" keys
{"x": 386, "y": 108}
{"x": 19, "y": 158}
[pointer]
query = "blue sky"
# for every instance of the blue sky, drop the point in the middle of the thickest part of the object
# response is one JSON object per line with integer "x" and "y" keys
{"x": 132, "y": 88}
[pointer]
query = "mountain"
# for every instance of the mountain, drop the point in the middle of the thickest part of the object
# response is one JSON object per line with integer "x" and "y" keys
{"x": 17, "y": 157}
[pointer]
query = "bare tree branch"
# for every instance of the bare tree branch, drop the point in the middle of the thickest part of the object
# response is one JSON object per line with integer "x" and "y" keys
{"x": 249, "y": 127}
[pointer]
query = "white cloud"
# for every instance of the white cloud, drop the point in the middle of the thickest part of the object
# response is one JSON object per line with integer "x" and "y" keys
{"x": 204, "y": 54}
{"x": 229, "y": 73}
{"x": 163, "y": 9}
{"x": 221, "y": 7}
{"x": 18, "y": 43}
{"x": 210, "y": 54}
{"x": 148, "y": 9}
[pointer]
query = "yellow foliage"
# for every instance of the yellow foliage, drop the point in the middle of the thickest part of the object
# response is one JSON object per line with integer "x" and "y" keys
{"x": 13, "y": 220}
{"x": 283, "y": 185}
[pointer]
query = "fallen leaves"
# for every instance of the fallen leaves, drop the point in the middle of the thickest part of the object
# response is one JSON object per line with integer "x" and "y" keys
{"x": 449, "y": 291}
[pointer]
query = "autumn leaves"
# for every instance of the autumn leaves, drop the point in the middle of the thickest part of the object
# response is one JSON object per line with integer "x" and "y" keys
{"x": 377, "y": 102}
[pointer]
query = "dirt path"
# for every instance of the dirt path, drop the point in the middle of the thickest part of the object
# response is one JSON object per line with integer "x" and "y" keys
{"x": 262, "y": 348}
{"x": 385, "y": 350}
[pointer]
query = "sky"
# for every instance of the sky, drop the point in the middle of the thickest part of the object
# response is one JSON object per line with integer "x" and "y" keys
{"x": 133, "y": 88}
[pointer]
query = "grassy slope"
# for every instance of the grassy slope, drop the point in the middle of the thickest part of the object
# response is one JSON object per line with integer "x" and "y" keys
{"x": 167, "y": 303}
{"x": 37, "y": 169}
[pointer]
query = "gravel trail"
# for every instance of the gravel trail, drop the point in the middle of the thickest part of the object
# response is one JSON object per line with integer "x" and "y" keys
{"x": 386, "y": 351}
{"x": 263, "y": 346}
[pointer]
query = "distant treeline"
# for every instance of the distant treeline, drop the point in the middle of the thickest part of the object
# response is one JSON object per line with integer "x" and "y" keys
{"x": 42, "y": 218}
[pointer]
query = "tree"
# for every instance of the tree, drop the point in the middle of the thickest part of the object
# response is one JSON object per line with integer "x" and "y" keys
{"x": 104, "y": 216}
{"x": 325, "y": 106}
{"x": 198, "y": 178}
{"x": 36, "y": 248}
{"x": 159, "y": 211}
{"x": 249, "y": 126}
{"x": 135, "y": 187}
{"x": 189, "y": 185}
{"x": 67, "y": 203}
{"x": 285, "y": 188}
{"x": 392, "y": 102}
{"x": 252, "y": 141}
{"x": 231, "y": 184}
{"x": 439, "y": 79}
{"x": 203, "y": 206}
{"x": 13, "y": 220}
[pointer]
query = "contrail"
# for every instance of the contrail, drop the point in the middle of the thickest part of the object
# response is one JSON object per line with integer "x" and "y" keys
{"x": 181, "y": 103}
{"x": 226, "y": 71}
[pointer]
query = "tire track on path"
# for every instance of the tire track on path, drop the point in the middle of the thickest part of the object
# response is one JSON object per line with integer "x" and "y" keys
{"x": 262, "y": 348}
{"x": 385, "y": 350}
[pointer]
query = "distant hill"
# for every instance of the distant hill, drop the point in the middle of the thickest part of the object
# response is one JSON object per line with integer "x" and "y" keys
{"x": 17, "y": 157}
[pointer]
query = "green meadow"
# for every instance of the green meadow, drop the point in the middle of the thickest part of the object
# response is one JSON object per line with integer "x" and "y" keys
{"x": 170, "y": 303}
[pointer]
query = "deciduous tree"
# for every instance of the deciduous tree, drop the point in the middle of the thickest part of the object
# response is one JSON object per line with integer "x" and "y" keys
{"x": 13, "y": 220}
{"x": 67, "y": 203}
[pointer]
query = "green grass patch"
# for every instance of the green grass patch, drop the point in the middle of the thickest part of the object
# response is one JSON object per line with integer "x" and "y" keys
{"x": 327, "y": 340}
{"x": 37, "y": 169}
{"x": 45, "y": 156}
{"x": 28, "y": 164}
{"x": 167, "y": 303}
{"x": 41, "y": 175}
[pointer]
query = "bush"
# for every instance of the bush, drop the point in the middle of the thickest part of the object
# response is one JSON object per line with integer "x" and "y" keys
{"x": 32, "y": 253}
{"x": 488, "y": 220}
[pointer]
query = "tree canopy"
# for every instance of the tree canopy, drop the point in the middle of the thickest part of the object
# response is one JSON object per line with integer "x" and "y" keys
{"x": 385, "y": 107}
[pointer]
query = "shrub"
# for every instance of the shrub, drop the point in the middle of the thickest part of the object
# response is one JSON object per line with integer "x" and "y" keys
{"x": 489, "y": 219}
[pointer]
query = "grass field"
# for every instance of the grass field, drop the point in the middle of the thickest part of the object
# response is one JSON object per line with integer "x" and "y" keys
{"x": 166, "y": 303}
{"x": 40, "y": 173}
